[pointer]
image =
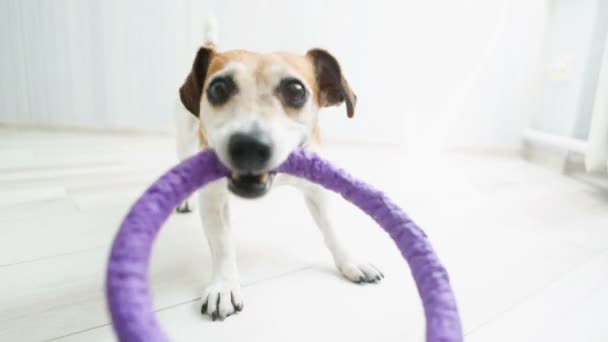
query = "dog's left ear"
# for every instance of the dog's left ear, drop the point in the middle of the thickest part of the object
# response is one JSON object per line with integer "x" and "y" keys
{"x": 333, "y": 87}
{"x": 191, "y": 91}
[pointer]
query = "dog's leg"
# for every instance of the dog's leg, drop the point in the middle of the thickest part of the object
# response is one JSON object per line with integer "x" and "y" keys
{"x": 186, "y": 129}
{"x": 317, "y": 202}
{"x": 222, "y": 297}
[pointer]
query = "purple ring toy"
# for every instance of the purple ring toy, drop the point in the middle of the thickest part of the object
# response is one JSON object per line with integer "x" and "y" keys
{"x": 128, "y": 293}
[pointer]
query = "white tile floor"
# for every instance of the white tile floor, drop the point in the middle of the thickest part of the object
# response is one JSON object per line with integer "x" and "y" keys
{"x": 527, "y": 248}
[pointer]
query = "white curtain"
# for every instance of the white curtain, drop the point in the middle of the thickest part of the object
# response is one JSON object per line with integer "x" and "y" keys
{"x": 465, "y": 65}
{"x": 596, "y": 159}
{"x": 92, "y": 63}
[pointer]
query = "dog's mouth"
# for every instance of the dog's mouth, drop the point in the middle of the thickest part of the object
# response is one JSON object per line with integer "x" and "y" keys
{"x": 250, "y": 185}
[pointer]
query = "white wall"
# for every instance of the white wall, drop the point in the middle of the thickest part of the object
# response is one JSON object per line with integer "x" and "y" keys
{"x": 576, "y": 33}
{"x": 571, "y": 58}
{"x": 463, "y": 71}
{"x": 108, "y": 63}
{"x": 441, "y": 71}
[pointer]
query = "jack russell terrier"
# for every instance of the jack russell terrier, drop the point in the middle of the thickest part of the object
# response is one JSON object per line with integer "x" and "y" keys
{"x": 253, "y": 109}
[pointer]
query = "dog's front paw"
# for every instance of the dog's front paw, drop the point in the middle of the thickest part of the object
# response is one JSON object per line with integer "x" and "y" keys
{"x": 222, "y": 299}
{"x": 360, "y": 273}
{"x": 183, "y": 208}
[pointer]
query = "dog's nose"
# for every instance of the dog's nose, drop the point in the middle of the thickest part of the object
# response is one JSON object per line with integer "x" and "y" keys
{"x": 249, "y": 152}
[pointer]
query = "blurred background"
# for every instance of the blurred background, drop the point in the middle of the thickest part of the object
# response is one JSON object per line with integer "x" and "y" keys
{"x": 487, "y": 120}
{"x": 428, "y": 73}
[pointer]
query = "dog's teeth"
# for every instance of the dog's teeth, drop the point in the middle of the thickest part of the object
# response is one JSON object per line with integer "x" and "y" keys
{"x": 236, "y": 176}
{"x": 264, "y": 177}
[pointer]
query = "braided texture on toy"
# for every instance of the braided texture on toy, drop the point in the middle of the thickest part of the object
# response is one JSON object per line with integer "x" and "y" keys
{"x": 128, "y": 294}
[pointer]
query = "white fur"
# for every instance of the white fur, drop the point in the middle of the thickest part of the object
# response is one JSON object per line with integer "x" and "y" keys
{"x": 210, "y": 34}
{"x": 255, "y": 105}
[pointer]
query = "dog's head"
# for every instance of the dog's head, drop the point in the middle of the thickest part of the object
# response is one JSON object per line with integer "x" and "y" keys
{"x": 254, "y": 109}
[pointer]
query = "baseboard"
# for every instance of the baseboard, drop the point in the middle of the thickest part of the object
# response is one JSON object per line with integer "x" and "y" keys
{"x": 508, "y": 151}
{"x": 84, "y": 129}
{"x": 569, "y": 164}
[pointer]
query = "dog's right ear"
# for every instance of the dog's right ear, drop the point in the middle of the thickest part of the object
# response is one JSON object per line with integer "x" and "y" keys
{"x": 191, "y": 91}
{"x": 333, "y": 87}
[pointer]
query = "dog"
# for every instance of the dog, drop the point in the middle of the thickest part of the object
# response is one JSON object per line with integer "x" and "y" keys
{"x": 253, "y": 109}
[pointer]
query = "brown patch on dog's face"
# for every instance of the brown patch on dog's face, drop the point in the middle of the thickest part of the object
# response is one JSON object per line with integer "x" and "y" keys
{"x": 261, "y": 65}
{"x": 272, "y": 96}
{"x": 319, "y": 69}
{"x": 220, "y": 59}
{"x": 305, "y": 72}
{"x": 304, "y": 68}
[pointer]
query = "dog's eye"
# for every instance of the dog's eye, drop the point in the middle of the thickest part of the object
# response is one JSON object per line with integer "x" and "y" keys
{"x": 293, "y": 93}
{"x": 220, "y": 90}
